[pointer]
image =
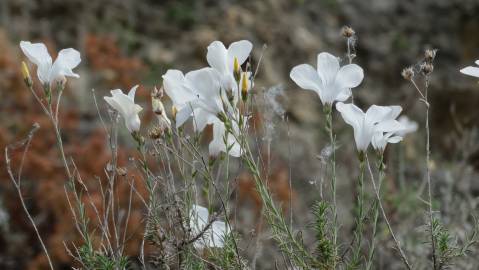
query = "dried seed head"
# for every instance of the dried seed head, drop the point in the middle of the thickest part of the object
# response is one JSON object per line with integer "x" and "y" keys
{"x": 347, "y": 32}
{"x": 155, "y": 133}
{"x": 429, "y": 55}
{"x": 427, "y": 68}
{"x": 408, "y": 73}
{"x": 121, "y": 171}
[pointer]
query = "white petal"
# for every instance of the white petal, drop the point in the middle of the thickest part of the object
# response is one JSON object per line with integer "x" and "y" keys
{"x": 395, "y": 139}
{"x": 349, "y": 76}
{"x": 477, "y": 62}
{"x": 471, "y": 71}
{"x": 38, "y": 54}
{"x": 132, "y": 92}
{"x": 205, "y": 81}
{"x": 66, "y": 61}
{"x": 409, "y": 126}
{"x": 376, "y": 114}
{"x": 239, "y": 49}
{"x": 198, "y": 218}
{"x": 174, "y": 85}
{"x": 217, "y": 56}
{"x": 395, "y": 111}
{"x": 217, "y": 145}
{"x": 184, "y": 113}
{"x": 306, "y": 77}
{"x": 344, "y": 95}
{"x": 389, "y": 126}
{"x": 351, "y": 114}
{"x": 328, "y": 67}
{"x": 126, "y": 108}
{"x": 201, "y": 118}
{"x": 219, "y": 233}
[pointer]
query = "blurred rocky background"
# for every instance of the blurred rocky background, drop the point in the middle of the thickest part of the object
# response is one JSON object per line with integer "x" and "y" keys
{"x": 128, "y": 42}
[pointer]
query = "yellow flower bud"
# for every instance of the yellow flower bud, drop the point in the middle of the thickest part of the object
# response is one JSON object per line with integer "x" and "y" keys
{"x": 26, "y": 74}
{"x": 236, "y": 69}
{"x": 173, "y": 112}
{"x": 244, "y": 87}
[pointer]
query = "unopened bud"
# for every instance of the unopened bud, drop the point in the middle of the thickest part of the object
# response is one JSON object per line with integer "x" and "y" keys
{"x": 26, "y": 75}
{"x": 236, "y": 69}
{"x": 347, "y": 32}
{"x": 244, "y": 87}
{"x": 174, "y": 111}
{"x": 408, "y": 73}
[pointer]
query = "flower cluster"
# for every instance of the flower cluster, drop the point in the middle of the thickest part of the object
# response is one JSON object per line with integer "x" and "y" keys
{"x": 377, "y": 126}
{"x": 210, "y": 95}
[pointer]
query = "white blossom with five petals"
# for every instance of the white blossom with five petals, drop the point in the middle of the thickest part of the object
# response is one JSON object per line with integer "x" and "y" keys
{"x": 47, "y": 71}
{"x": 189, "y": 94}
{"x": 376, "y": 121}
{"x": 330, "y": 81}
{"x": 126, "y": 107}
{"x": 214, "y": 236}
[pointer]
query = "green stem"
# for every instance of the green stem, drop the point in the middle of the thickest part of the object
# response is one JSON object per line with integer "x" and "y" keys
{"x": 358, "y": 232}
{"x": 380, "y": 167}
{"x": 329, "y": 128}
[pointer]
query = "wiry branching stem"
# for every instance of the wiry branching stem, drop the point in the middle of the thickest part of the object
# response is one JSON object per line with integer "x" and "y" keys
{"x": 378, "y": 197}
{"x": 17, "y": 182}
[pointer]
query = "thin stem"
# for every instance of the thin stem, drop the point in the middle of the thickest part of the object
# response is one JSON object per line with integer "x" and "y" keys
{"x": 378, "y": 197}
{"x": 428, "y": 175}
{"x": 16, "y": 183}
{"x": 380, "y": 167}
{"x": 358, "y": 232}
{"x": 329, "y": 127}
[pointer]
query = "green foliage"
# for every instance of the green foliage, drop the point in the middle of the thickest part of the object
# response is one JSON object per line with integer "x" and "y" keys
{"x": 95, "y": 260}
{"x": 324, "y": 248}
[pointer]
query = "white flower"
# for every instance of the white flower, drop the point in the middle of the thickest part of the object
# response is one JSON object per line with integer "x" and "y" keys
{"x": 409, "y": 126}
{"x": 66, "y": 61}
{"x": 126, "y": 107}
{"x": 224, "y": 141}
{"x": 471, "y": 71}
{"x": 214, "y": 236}
{"x": 211, "y": 100}
{"x": 222, "y": 60}
{"x": 377, "y": 119}
{"x": 381, "y": 139}
{"x": 329, "y": 81}
{"x": 185, "y": 92}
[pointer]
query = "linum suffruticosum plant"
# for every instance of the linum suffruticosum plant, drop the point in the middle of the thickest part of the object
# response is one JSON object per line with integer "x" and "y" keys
{"x": 188, "y": 219}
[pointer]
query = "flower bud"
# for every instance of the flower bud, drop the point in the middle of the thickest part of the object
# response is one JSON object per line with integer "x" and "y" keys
{"x": 236, "y": 69}
{"x": 173, "y": 112}
{"x": 26, "y": 75}
{"x": 244, "y": 87}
